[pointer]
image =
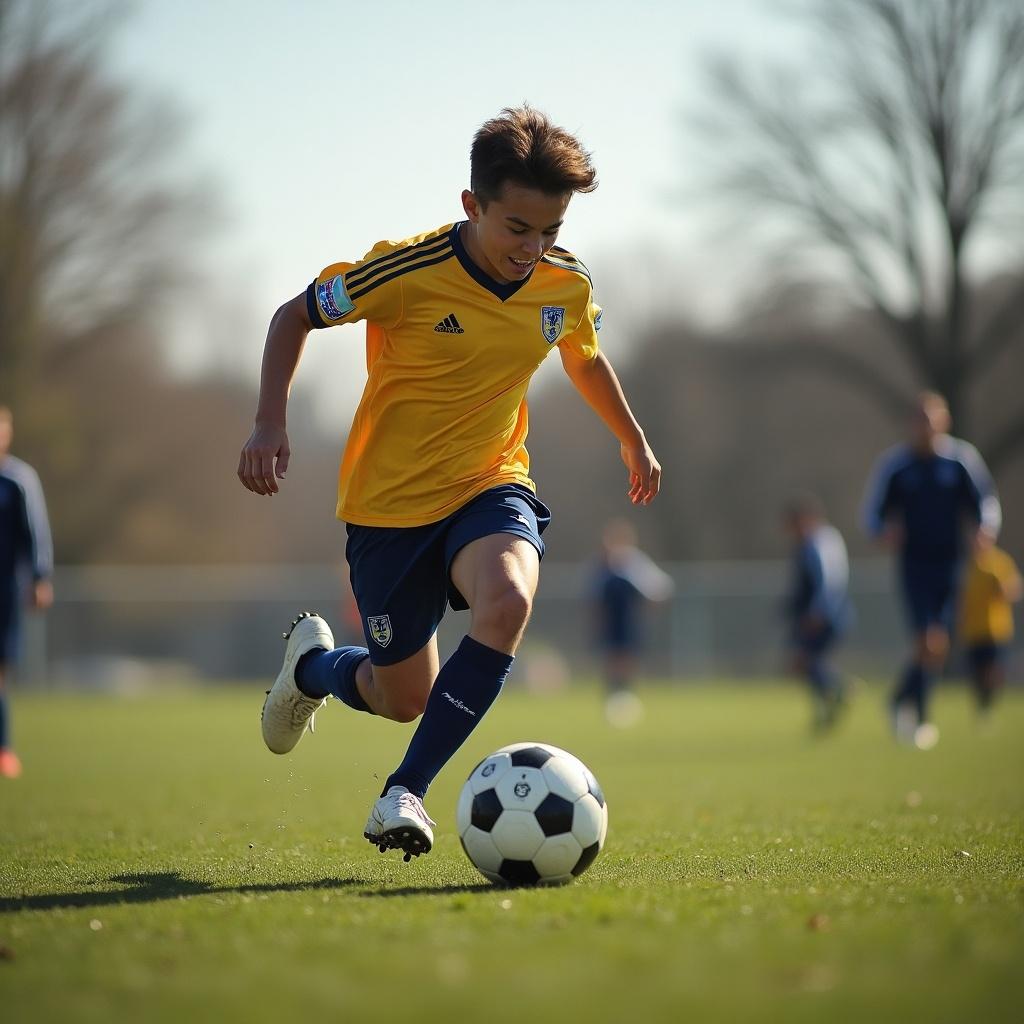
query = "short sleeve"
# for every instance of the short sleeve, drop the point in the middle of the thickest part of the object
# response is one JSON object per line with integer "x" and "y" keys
{"x": 583, "y": 340}
{"x": 345, "y": 293}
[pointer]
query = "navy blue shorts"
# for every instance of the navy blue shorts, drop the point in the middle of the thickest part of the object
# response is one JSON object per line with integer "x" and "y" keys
{"x": 983, "y": 656}
{"x": 401, "y": 575}
{"x": 930, "y": 593}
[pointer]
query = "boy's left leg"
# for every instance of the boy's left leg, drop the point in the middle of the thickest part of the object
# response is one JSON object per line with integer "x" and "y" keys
{"x": 490, "y": 565}
{"x": 497, "y": 575}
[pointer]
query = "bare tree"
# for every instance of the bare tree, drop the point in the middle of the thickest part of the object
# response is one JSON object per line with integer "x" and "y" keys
{"x": 100, "y": 222}
{"x": 92, "y": 220}
{"x": 895, "y": 148}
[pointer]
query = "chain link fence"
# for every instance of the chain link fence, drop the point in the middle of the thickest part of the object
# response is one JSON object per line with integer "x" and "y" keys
{"x": 133, "y": 625}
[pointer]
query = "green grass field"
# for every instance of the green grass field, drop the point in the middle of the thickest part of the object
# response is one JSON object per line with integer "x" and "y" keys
{"x": 156, "y": 863}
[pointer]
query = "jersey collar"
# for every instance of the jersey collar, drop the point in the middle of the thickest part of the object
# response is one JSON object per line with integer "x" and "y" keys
{"x": 501, "y": 290}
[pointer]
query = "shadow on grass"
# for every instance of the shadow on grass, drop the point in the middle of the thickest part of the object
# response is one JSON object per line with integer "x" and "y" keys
{"x": 431, "y": 890}
{"x": 151, "y": 887}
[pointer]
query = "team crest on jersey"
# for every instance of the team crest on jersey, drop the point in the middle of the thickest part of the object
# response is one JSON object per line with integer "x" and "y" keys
{"x": 380, "y": 628}
{"x": 552, "y": 318}
{"x": 332, "y": 298}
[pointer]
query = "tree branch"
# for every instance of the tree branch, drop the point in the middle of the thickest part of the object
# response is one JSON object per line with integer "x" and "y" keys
{"x": 837, "y": 363}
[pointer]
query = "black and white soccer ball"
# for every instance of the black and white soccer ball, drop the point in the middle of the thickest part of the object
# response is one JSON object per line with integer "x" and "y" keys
{"x": 532, "y": 813}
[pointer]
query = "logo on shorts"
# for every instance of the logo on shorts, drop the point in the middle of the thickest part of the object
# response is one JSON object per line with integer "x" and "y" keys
{"x": 380, "y": 628}
{"x": 551, "y": 320}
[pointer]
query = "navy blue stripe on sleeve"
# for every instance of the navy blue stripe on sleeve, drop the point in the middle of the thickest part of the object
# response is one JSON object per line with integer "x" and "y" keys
{"x": 313, "y": 310}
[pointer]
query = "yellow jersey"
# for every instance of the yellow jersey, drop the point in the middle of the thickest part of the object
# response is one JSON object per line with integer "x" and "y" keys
{"x": 986, "y": 615}
{"x": 449, "y": 356}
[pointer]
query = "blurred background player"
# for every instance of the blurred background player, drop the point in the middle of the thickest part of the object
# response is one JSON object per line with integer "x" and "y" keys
{"x": 992, "y": 585}
{"x": 26, "y": 565}
{"x": 922, "y": 498}
{"x": 624, "y": 582}
{"x": 817, "y": 605}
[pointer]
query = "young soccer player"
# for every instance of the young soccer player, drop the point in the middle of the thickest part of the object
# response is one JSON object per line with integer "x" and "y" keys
{"x": 434, "y": 483}
{"x": 26, "y": 566}
{"x": 817, "y": 605}
{"x": 920, "y": 498}
{"x": 992, "y": 586}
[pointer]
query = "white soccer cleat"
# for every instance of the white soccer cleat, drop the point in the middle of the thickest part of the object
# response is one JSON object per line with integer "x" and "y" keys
{"x": 287, "y": 711}
{"x": 399, "y": 822}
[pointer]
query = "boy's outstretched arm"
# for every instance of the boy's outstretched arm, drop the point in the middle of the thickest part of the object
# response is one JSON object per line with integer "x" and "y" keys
{"x": 595, "y": 380}
{"x": 265, "y": 455}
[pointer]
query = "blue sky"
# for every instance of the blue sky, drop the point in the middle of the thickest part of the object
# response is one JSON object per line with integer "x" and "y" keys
{"x": 329, "y": 125}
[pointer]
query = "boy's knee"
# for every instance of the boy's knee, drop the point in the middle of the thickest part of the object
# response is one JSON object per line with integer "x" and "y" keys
{"x": 404, "y": 709}
{"x": 506, "y": 613}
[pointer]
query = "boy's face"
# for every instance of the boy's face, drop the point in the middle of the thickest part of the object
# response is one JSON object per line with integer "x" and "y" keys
{"x": 512, "y": 232}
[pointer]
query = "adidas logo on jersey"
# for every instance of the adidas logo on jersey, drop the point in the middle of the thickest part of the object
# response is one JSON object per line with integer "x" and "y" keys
{"x": 449, "y": 325}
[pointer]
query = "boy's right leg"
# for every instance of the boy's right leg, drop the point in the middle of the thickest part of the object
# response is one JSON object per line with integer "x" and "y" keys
{"x": 287, "y": 711}
{"x": 314, "y": 669}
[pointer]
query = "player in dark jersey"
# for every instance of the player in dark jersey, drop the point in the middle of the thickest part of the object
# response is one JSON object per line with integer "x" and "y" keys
{"x": 624, "y": 581}
{"x": 923, "y": 500}
{"x": 817, "y": 605}
{"x": 26, "y": 565}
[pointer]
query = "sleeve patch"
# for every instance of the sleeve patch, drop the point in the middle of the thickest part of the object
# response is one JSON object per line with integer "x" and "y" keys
{"x": 332, "y": 298}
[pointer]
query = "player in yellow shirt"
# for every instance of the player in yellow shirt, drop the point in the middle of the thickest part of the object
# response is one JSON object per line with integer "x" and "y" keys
{"x": 992, "y": 585}
{"x": 434, "y": 483}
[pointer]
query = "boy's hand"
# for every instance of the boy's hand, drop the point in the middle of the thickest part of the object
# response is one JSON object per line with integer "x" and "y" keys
{"x": 256, "y": 465}
{"x": 644, "y": 473}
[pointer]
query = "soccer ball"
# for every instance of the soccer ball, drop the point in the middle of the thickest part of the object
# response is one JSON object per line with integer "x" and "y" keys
{"x": 531, "y": 813}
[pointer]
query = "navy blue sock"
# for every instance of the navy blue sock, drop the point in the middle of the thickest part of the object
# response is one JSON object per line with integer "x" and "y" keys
{"x": 5, "y": 735}
{"x": 321, "y": 673}
{"x": 818, "y": 676}
{"x": 467, "y": 685}
{"x": 913, "y": 690}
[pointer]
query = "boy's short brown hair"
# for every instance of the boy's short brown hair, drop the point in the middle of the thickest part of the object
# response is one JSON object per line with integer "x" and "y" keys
{"x": 522, "y": 147}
